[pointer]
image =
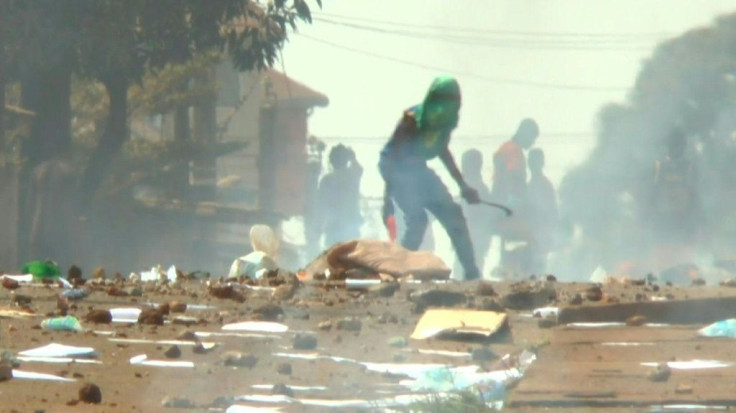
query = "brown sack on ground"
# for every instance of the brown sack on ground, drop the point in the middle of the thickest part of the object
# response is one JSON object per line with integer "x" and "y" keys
{"x": 379, "y": 257}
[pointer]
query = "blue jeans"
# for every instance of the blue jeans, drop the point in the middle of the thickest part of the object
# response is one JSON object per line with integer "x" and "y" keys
{"x": 416, "y": 189}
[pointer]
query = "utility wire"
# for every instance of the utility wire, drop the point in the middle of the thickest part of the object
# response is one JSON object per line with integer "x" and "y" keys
{"x": 655, "y": 35}
{"x": 605, "y": 44}
{"x": 467, "y": 74}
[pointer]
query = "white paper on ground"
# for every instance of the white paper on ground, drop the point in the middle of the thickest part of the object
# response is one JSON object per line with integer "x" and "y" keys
{"x": 30, "y": 375}
{"x": 58, "y": 360}
{"x": 241, "y": 335}
{"x": 444, "y": 353}
{"x": 142, "y": 360}
{"x": 627, "y": 344}
{"x": 546, "y": 312}
{"x": 259, "y": 326}
{"x": 297, "y": 388}
{"x": 693, "y": 364}
{"x": 25, "y": 278}
{"x": 206, "y": 345}
{"x": 400, "y": 400}
{"x": 314, "y": 356}
{"x": 59, "y": 350}
{"x": 610, "y": 324}
{"x": 695, "y": 407}
{"x": 236, "y": 408}
{"x": 125, "y": 315}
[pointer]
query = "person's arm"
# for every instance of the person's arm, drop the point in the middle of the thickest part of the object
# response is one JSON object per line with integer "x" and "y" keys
{"x": 468, "y": 193}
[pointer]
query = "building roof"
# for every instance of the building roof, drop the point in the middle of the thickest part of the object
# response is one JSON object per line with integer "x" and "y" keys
{"x": 290, "y": 91}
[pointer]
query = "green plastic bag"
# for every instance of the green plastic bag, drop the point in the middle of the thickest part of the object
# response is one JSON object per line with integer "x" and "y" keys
{"x": 42, "y": 270}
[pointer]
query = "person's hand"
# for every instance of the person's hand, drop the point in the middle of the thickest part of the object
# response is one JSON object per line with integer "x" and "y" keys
{"x": 470, "y": 195}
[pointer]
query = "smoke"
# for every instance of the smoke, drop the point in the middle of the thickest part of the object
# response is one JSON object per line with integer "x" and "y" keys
{"x": 687, "y": 84}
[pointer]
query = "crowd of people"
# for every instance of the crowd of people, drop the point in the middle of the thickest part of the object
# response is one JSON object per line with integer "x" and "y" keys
{"x": 518, "y": 182}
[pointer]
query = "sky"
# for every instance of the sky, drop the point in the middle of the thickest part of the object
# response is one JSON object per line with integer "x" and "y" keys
{"x": 558, "y": 61}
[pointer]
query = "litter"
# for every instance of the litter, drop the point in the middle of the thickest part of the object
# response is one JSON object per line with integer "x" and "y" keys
{"x": 236, "y": 408}
{"x": 20, "y": 278}
{"x": 125, "y": 315}
{"x": 722, "y": 328}
{"x": 59, "y": 360}
{"x": 42, "y": 270}
{"x": 260, "y": 326}
{"x": 626, "y": 344}
{"x": 60, "y": 350}
{"x": 436, "y": 322}
{"x": 30, "y": 375}
{"x": 205, "y": 345}
{"x": 297, "y": 388}
{"x": 13, "y": 313}
{"x": 692, "y": 364}
{"x": 546, "y": 312}
{"x": 68, "y": 323}
{"x": 75, "y": 293}
{"x": 156, "y": 274}
{"x": 253, "y": 265}
{"x": 142, "y": 360}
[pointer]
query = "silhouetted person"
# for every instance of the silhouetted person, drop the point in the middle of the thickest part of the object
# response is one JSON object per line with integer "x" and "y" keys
{"x": 339, "y": 193}
{"x": 479, "y": 217}
{"x": 312, "y": 230}
{"x": 542, "y": 210}
{"x": 509, "y": 188}
{"x": 675, "y": 219}
{"x": 424, "y": 134}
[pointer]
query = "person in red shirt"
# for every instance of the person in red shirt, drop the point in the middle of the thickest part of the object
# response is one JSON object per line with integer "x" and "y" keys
{"x": 509, "y": 165}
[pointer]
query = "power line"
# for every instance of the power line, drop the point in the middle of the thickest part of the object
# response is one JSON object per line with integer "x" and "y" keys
{"x": 495, "y": 32}
{"x": 467, "y": 74}
{"x": 591, "y": 44}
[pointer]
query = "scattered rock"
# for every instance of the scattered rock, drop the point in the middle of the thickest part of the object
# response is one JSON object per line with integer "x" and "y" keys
{"x": 547, "y": 322}
{"x": 164, "y": 308}
{"x": 661, "y": 373}
{"x": 199, "y": 348}
{"x": 238, "y": 359}
{"x": 226, "y": 292}
{"x": 730, "y": 282}
{"x": 636, "y": 320}
{"x": 282, "y": 389}
{"x": 398, "y": 342}
{"x": 177, "y": 402}
{"x": 349, "y": 324}
{"x": 21, "y": 300}
{"x": 528, "y": 296}
{"x": 576, "y": 299}
{"x": 187, "y": 335}
{"x": 594, "y": 293}
{"x": 98, "y": 273}
{"x": 551, "y": 278}
{"x": 285, "y": 291}
{"x": 284, "y": 368}
{"x": 151, "y": 316}
{"x": 483, "y": 354}
{"x": 485, "y": 289}
{"x": 437, "y": 298}
{"x": 99, "y": 317}
{"x": 177, "y": 307}
{"x": 698, "y": 281}
{"x": 490, "y": 304}
{"x": 683, "y": 388}
{"x": 90, "y": 393}
{"x": 269, "y": 312}
{"x": 325, "y": 325}
{"x": 305, "y": 341}
{"x": 185, "y": 321}
{"x": 6, "y": 372}
{"x": 133, "y": 291}
{"x": 173, "y": 352}
{"x": 10, "y": 284}
{"x": 387, "y": 318}
{"x": 386, "y": 289}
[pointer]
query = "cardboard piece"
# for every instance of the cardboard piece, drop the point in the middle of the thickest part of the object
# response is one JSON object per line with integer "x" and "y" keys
{"x": 441, "y": 321}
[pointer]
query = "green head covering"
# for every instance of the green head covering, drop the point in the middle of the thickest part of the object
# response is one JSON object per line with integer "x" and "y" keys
{"x": 441, "y": 105}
